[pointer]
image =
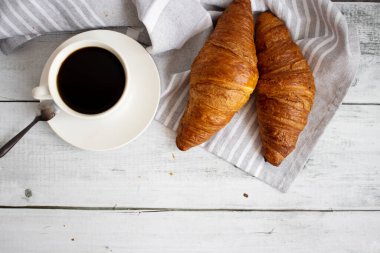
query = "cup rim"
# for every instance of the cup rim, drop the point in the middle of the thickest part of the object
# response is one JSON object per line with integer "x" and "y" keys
{"x": 58, "y": 60}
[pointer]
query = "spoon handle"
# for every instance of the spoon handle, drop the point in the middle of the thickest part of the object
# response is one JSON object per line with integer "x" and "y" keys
{"x": 4, "y": 149}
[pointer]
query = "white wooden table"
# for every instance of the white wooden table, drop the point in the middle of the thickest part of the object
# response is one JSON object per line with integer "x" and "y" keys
{"x": 150, "y": 197}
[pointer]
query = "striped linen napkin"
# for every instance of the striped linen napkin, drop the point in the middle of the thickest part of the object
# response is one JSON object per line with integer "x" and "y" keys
{"x": 174, "y": 32}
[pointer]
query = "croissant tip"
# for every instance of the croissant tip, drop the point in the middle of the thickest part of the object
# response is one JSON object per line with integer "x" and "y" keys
{"x": 272, "y": 157}
{"x": 276, "y": 163}
{"x": 273, "y": 162}
{"x": 181, "y": 146}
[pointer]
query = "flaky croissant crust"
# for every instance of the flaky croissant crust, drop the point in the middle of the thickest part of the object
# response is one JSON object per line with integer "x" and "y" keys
{"x": 285, "y": 91}
{"x": 222, "y": 76}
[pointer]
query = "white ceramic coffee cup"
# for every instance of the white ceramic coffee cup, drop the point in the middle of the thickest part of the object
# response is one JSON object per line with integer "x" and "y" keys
{"x": 49, "y": 90}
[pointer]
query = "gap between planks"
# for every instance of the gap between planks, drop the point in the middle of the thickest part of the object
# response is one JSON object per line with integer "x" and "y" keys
{"x": 147, "y": 209}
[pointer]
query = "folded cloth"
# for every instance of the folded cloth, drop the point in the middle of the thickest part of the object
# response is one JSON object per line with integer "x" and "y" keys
{"x": 174, "y": 32}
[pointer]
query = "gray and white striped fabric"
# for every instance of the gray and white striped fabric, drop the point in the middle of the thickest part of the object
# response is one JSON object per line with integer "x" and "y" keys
{"x": 174, "y": 32}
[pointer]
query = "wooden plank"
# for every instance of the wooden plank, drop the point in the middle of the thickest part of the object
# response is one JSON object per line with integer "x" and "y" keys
{"x": 20, "y": 71}
{"x": 113, "y": 231}
{"x": 366, "y": 18}
{"x": 343, "y": 172}
{"x": 366, "y": 88}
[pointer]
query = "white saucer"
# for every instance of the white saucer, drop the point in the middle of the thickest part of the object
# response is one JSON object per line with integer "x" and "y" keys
{"x": 134, "y": 116}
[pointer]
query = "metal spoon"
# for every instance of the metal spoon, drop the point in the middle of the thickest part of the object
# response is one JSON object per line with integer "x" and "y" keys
{"x": 48, "y": 111}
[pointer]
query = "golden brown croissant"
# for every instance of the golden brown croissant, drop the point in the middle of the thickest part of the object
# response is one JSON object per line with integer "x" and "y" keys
{"x": 222, "y": 77}
{"x": 285, "y": 91}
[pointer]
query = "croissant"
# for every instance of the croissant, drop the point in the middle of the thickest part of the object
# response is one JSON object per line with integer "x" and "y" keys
{"x": 222, "y": 76}
{"x": 285, "y": 90}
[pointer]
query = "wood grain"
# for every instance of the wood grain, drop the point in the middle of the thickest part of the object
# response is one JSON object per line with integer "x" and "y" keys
{"x": 20, "y": 71}
{"x": 128, "y": 231}
{"x": 343, "y": 172}
{"x": 366, "y": 18}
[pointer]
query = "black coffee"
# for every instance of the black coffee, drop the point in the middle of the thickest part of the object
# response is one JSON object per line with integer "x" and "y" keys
{"x": 91, "y": 80}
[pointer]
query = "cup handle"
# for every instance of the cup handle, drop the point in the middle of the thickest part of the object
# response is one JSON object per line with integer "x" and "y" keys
{"x": 41, "y": 93}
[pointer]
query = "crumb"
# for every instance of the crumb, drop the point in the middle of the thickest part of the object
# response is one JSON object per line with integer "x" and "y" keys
{"x": 64, "y": 226}
{"x": 171, "y": 173}
{"x": 245, "y": 195}
{"x": 139, "y": 176}
{"x": 28, "y": 193}
{"x": 173, "y": 156}
{"x": 72, "y": 239}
